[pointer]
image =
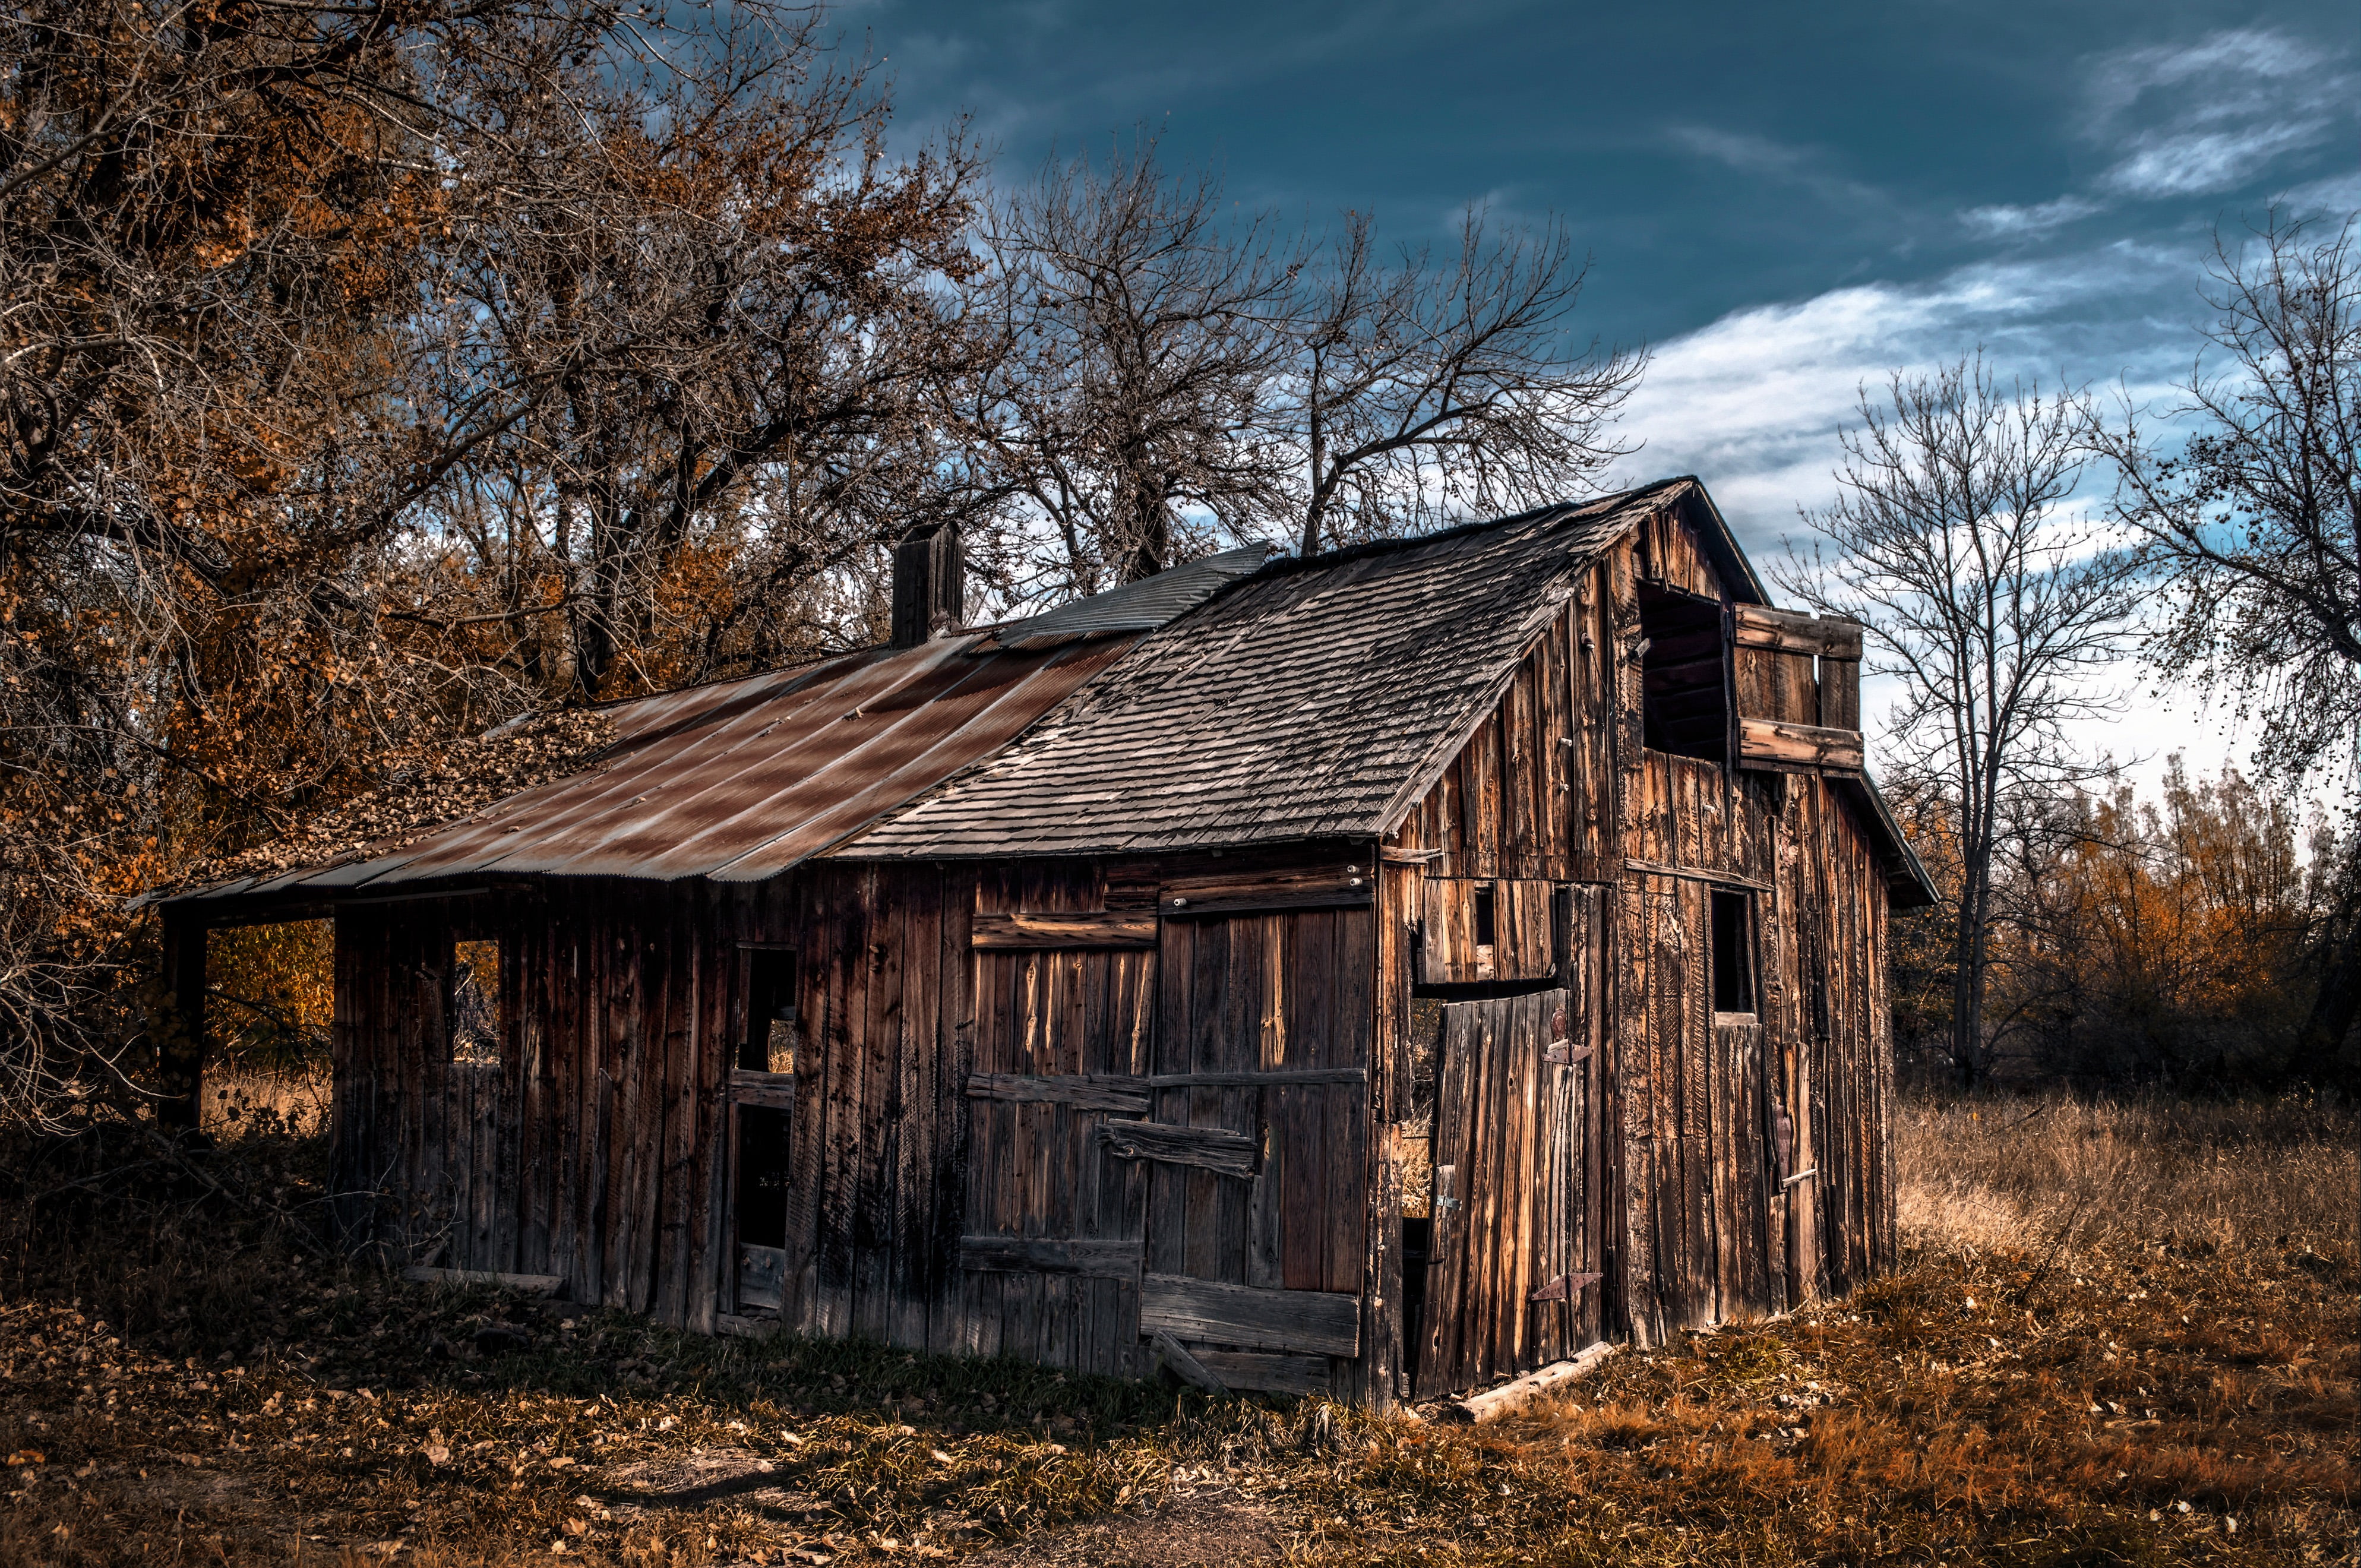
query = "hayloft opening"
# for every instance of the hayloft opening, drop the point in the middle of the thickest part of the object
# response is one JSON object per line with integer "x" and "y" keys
{"x": 1684, "y": 673}
{"x": 1734, "y": 953}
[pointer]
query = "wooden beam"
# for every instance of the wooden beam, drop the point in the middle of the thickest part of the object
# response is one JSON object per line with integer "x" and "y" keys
{"x": 1256, "y": 1372}
{"x": 1085, "y": 1091}
{"x": 1327, "y": 887}
{"x": 1207, "y": 1148}
{"x": 1494, "y": 1403}
{"x": 1047, "y": 929}
{"x": 1184, "y": 1366}
{"x": 1804, "y": 745}
{"x": 180, "y": 1029}
{"x": 1784, "y": 631}
{"x": 1091, "y": 1259}
{"x": 1311, "y": 1322}
{"x": 1129, "y": 1096}
{"x": 1696, "y": 873}
{"x": 772, "y": 1090}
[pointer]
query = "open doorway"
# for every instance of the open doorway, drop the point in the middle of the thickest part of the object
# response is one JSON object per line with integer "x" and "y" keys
{"x": 762, "y": 1095}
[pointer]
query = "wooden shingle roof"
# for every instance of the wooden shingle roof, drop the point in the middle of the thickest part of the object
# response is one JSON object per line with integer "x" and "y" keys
{"x": 1313, "y": 699}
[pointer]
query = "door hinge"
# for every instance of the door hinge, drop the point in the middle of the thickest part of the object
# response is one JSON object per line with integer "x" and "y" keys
{"x": 1564, "y": 1287}
{"x": 1564, "y": 1054}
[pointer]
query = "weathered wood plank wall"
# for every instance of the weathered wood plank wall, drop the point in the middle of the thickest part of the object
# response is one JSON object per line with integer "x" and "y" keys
{"x": 951, "y": 1186}
{"x": 1555, "y": 785}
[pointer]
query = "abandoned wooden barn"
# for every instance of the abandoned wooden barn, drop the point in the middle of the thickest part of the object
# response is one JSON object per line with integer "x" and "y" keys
{"x": 1374, "y": 973}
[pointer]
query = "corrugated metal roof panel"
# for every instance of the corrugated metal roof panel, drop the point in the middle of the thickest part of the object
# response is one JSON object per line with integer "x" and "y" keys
{"x": 740, "y": 779}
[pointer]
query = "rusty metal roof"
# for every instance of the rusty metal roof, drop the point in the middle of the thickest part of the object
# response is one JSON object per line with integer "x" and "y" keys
{"x": 739, "y": 780}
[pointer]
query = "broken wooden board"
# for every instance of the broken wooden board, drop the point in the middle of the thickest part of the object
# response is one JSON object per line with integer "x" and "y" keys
{"x": 1788, "y": 631}
{"x": 1184, "y": 1366}
{"x": 1257, "y": 1372}
{"x": 772, "y": 1090}
{"x": 1309, "y": 1323}
{"x": 1207, "y": 1148}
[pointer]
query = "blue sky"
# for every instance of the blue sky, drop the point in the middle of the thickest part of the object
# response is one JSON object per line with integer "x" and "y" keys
{"x": 1780, "y": 202}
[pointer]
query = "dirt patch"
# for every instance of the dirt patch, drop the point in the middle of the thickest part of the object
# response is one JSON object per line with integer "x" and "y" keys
{"x": 1208, "y": 1531}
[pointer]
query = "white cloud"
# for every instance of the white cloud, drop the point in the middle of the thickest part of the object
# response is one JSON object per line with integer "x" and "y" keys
{"x": 2025, "y": 223}
{"x": 1752, "y": 403}
{"x": 2210, "y": 115}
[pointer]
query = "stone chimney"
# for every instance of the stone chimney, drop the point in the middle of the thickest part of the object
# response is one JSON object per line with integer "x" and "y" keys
{"x": 929, "y": 586}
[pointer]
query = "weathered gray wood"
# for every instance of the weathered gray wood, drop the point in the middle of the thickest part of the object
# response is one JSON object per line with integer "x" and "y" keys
{"x": 772, "y": 1090}
{"x": 1027, "y": 930}
{"x": 1084, "y": 1092}
{"x": 1494, "y": 1403}
{"x": 762, "y": 1275}
{"x": 1208, "y": 1149}
{"x": 1119, "y": 1259}
{"x": 1184, "y": 1366}
{"x": 1313, "y": 1322}
{"x": 1248, "y": 1371}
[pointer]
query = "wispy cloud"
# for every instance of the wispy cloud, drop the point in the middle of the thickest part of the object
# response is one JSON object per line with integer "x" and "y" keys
{"x": 1804, "y": 167}
{"x": 2026, "y": 222}
{"x": 2208, "y": 115}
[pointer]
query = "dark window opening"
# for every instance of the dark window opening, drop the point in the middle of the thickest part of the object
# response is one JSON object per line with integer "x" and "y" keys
{"x": 477, "y": 1026}
{"x": 1486, "y": 916}
{"x": 1684, "y": 698}
{"x": 771, "y": 1039}
{"x": 1734, "y": 953}
{"x": 761, "y": 1177}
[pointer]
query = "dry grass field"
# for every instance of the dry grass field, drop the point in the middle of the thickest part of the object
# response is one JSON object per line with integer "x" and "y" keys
{"x": 2124, "y": 1334}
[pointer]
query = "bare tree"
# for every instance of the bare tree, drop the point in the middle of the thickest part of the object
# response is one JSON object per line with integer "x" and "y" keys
{"x": 1424, "y": 391}
{"x": 1996, "y": 609}
{"x": 2254, "y": 526}
{"x": 1139, "y": 330}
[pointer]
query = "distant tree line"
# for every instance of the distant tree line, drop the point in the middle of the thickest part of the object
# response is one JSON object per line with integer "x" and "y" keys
{"x": 2084, "y": 933}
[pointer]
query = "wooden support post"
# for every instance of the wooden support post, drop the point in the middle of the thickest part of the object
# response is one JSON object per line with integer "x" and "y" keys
{"x": 180, "y": 1028}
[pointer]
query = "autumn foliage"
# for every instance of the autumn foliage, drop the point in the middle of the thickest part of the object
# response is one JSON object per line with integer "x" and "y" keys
{"x": 2179, "y": 940}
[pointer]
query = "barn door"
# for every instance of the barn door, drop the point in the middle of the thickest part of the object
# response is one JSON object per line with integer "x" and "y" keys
{"x": 1519, "y": 1190}
{"x": 1051, "y": 1242}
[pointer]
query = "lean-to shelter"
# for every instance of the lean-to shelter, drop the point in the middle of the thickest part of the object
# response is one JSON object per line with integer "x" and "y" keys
{"x": 1375, "y": 973}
